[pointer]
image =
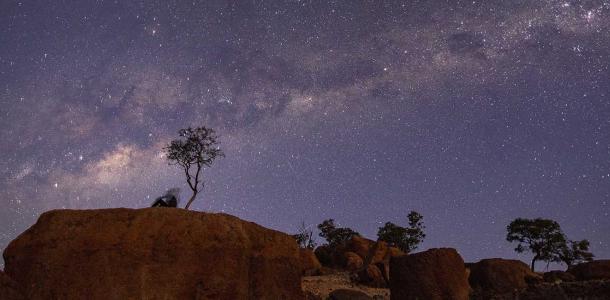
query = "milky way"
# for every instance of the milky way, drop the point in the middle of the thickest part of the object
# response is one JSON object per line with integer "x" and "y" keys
{"x": 472, "y": 113}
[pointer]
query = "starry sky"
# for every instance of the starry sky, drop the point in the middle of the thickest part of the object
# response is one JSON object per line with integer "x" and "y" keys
{"x": 471, "y": 112}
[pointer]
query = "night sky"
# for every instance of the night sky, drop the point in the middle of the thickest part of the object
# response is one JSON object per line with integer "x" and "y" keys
{"x": 471, "y": 112}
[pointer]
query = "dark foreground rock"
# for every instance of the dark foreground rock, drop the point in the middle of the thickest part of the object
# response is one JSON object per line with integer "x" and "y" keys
{"x": 597, "y": 269}
{"x": 9, "y": 289}
{"x": 436, "y": 274}
{"x": 153, "y": 253}
{"x": 580, "y": 290}
{"x": 558, "y": 276}
{"x": 348, "y": 294}
{"x": 500, "y": 276}
{"x": 309, "y": 262}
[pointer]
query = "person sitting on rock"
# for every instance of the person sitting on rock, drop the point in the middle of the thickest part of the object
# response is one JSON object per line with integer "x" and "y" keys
{"x": 170, "y": 199}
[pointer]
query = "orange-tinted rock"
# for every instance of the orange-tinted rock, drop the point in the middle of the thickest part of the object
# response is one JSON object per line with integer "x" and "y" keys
{"x": 377, "y": 253}
{"x": 9, "y": 289}
{"x": 309, "y": 262}
{"x": 353, "y": 261}
{"x": 500, "y": 275}
{"x": 393, "y": 251}
{"x": 360, "y": 246}
{"x": 597, "y": 269}
{"x": 558, "y": 276}
{"x": 371, "y": 275}
{"x": 436, "y": 274}
{"x": 384, "y": 266}
{"x": 153, "y": 253}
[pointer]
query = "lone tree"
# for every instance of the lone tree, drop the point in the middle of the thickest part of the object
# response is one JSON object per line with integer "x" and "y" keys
{"x": 574, "y": 252}
{"x": 335, "y": 236}
{"x": 195, "y": 149}
{"x": 406, "y": 239}
{"x": 542, "y": 237}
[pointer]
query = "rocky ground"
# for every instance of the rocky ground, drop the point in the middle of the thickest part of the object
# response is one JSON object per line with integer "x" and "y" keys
{"x": 321, "y": 286}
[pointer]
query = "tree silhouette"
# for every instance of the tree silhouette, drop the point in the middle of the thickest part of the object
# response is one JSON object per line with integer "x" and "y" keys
{"x": 197, "y": 148}
{"x": 335, "y": 236}
{"x": 304, "y": 237}
{"x": 542, "y": 237}
{"x": 574, "y": 252}
{"x": 406, "y": 239}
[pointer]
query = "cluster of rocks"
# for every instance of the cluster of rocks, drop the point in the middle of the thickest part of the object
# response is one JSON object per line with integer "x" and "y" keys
{"x": 367, "y": 261}
{"x": 442, "y": 274}
{"x": 158, "y": 253}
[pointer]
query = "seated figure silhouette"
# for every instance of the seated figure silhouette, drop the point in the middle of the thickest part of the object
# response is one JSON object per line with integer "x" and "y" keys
{"x": 170, "y": 199}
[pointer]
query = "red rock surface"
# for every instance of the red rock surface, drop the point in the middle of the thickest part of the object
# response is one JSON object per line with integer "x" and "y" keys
{"x": 359, "y": 245}
{"x": 597, "y": 269}
{"x": 9, "y": 289}
{"x": 153, "y": 253}
{"x": 353, "y": 261}
{"x": 436, "y": 274}
{"x": 499, "y": 275}
{"x": 309, "y": 262}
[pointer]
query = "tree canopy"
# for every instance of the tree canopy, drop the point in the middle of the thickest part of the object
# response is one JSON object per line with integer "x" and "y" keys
{"x": 542, "y": 237}
{"x": 405, "y": 238}
{"x": 333, "y": 235}
{"x": 573, "y": 252}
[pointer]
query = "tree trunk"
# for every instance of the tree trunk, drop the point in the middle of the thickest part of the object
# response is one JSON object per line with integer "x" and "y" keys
{"x": 188, "y": 204}
{"x": 534, "y": 261}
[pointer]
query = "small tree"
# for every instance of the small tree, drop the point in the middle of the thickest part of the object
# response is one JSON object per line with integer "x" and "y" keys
{"x": 574, "y": 252}
{"x": 406, "y": 239}
{"x": 304, "y": 237}
{"x": 542, "y": 237}
{"x": 197, "y": 148}
{"x": 335, "y": 236}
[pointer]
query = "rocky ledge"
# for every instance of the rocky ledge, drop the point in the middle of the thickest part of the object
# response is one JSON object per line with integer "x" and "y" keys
{"x": 152, "y": 253}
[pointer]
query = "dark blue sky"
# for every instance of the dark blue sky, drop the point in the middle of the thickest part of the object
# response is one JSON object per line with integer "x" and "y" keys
{"x": 472, "y": 113}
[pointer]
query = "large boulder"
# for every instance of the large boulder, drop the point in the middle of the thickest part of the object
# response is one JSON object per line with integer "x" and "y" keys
{"x": 327, "y": 256}
{"x": 153, "y": 253}
{"x": 576, "y": 290}
{"x": 371, "y": 276}
{"x": 9, "y": 289}
{"x": 309, "y": 262}
{"x": 378, "y": 252}
{"x": 597, "y": 269}
{"x": 353, "y": 261}
{"x": 359, "y": 245}
{"x": 436, "y": 274}
{"x": 497, "y": 275}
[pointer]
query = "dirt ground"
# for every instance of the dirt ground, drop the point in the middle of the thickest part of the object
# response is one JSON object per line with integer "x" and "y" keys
{"x": 322, "y": 285}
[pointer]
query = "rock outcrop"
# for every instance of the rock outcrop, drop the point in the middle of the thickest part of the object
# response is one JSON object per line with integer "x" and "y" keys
{"x": 597, "y": 269}
{"x": 9, "y": 289}
{"x": 576, "y": 290}
{"x": 558, "y": 276}
{"x": 359, "y": 245}
{"x": 500, "y": 276}
{"x": 309, "y": 262}
{"x": 371, "y": 276}
{"x": 153, "y": 253}
{"x": 353, "y": 261}
{"x": 436, "y": 274}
